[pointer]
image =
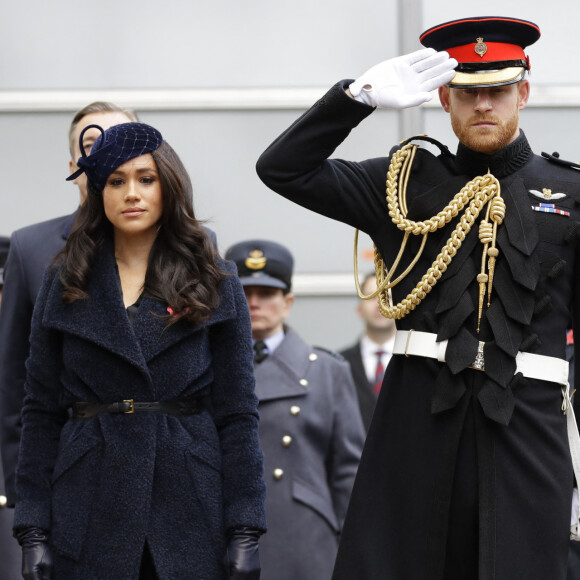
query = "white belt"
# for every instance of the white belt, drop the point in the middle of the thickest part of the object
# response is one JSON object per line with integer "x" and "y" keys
{"x": 532, "y": 366}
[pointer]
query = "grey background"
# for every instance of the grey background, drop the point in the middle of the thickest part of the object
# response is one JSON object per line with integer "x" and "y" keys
{"x": 52, "y": 51}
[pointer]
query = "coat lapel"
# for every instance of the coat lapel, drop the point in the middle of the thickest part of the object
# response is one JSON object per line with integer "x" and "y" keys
{"x": 150, "y": 322}
{"x": 280, "y": 374}
{"x": 520, "y": 224}
{"x": 101, "y": 318}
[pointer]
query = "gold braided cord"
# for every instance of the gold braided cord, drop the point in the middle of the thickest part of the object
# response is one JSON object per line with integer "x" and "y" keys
{"x": 475, "y": 195}
{"x": 383, "y": 279}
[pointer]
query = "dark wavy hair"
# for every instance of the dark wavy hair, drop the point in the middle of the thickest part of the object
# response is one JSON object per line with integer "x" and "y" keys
{"x": 183, "y": 270}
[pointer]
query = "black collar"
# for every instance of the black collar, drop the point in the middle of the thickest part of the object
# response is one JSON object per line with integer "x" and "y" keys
{"x": 501, "y": 164}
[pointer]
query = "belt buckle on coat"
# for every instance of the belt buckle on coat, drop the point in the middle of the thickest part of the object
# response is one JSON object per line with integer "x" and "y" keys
{"x": 479, "y": 363}
{"x": 131, "y": 406}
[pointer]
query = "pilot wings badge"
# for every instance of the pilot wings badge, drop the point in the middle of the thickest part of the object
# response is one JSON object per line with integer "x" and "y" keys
{"x": 547, "y": 194}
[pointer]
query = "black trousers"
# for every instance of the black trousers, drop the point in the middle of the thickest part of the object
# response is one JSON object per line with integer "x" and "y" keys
{"x": 147, "y": 571}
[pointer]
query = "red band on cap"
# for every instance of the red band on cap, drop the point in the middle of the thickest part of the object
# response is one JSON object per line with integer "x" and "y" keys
{"x": 495, "y": 51}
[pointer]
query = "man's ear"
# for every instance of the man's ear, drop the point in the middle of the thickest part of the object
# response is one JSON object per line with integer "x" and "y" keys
{"x": 72, "y": 166}
{"x": 288, "y": 303}
{"x": 444, "y": 97}
{"x": 524, "y": 93}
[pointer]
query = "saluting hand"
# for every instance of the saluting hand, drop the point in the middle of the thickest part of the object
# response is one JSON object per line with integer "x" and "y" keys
{"x": 405, "y": 81}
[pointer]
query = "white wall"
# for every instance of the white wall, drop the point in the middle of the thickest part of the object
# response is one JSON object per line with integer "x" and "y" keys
{"x": 49, "y": 50}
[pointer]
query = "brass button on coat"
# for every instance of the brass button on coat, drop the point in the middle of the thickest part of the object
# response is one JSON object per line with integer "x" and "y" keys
{"x": 294, "y": 410}
{"x": 312, "y": 357}
{"x": 303, "y": 382}
{"x": 278, "y": 473}
{"x": 286, "y": 440}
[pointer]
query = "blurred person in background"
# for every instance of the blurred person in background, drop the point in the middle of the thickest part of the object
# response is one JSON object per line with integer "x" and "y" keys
{"x": 310, "y": 426}
{"x": 10, "y": 554}
{"x": 369, "y": 357}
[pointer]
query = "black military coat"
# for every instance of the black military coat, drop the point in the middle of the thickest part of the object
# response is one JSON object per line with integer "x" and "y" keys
{"x": 442, "y": 431}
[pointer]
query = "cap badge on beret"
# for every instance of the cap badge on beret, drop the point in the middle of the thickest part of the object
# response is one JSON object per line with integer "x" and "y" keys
{"x": 256, "y": 260}
{"x": 480, "y": 47}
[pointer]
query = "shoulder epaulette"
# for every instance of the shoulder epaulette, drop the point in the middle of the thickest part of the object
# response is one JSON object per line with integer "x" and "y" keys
{"x": 443, "y": 148}
{"x": 332, "y": 353}
{"x": 555, "y": 158}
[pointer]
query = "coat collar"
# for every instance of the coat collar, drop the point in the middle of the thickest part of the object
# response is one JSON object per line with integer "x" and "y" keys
{"x": 283, "y": 373}
{"x": 103, "y": 320}
{"x": 501, "y": 164}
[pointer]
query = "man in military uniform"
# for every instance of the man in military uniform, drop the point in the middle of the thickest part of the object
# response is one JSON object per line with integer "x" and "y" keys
{"x": 310, "y": 426}
{"x": 467, "y": 469}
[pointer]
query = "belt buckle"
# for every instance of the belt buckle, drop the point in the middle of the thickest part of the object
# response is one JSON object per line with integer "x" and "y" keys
{"x": 479, "y": 363}
{"x": 407, "y": 343}
{"x": 131, "y": 406}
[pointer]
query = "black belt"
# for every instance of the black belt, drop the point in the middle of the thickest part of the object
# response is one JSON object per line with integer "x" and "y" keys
{"x": 85, "y": 410}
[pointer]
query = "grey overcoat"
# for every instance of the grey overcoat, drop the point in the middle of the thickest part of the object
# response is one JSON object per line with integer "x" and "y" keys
{"x": 312, "y": 436}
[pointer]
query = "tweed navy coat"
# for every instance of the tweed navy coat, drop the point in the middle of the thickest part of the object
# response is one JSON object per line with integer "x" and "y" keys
{"x": 104, "y": 486}
{"x": 479, "y": 457}
{"x": 311, "y": 430}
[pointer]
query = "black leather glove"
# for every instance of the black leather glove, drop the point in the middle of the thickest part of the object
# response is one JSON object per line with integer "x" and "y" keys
{"x": 36, "y": 557}
{"x": 242, "y": 558}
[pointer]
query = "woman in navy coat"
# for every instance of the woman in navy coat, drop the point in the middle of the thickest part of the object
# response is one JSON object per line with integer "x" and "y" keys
{"x": 140, "y": 455}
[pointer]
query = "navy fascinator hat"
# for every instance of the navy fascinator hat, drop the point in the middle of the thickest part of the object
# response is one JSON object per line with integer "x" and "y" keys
{"x": 114, "y": 147}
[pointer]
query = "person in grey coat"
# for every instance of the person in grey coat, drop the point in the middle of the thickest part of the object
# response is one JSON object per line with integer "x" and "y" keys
{"x": 311, "y": 430}
{"x": 140, "y": 454}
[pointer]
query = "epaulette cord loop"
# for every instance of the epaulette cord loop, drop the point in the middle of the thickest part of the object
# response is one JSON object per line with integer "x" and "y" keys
{"x": 555, "y": 158}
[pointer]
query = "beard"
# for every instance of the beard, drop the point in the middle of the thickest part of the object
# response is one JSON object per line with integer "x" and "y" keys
{"x": 489, "y": 139}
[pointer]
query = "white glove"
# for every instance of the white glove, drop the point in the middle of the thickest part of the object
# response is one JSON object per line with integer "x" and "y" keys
{"x": 405, "y": 81}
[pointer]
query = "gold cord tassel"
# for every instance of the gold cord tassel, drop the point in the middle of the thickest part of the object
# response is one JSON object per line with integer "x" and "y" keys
{"x": 497, "y": 215}
{"x": 487, "y": 236}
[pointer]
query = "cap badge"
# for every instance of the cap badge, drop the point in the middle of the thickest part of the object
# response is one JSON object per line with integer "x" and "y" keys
{"x": 480, "y": 47}
{"x": 256, "y": 260}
